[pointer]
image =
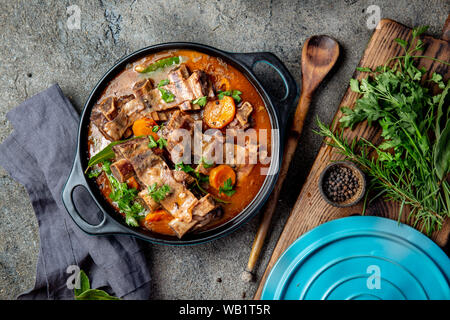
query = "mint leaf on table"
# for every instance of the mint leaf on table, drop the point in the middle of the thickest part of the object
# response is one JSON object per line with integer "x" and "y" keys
{"x": 83, "y": 282}
{"x": 86, "y": 293}
{"x": 95, "y": 294}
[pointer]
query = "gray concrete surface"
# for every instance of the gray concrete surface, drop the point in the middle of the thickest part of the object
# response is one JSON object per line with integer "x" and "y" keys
{"x": 37, "y": 49}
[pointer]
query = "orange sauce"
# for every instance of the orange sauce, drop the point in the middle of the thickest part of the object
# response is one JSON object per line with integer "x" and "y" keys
{"x": 220, "y": 73}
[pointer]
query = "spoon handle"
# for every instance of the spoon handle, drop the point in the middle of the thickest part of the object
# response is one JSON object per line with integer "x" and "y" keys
{"x": 289, "y": 150}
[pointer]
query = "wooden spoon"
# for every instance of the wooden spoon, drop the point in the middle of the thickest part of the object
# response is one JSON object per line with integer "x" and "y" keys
{"x": 319, "y": 55}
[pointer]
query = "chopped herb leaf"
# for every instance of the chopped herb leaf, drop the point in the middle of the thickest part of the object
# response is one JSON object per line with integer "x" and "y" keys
{"x": 158, "y": 193}
{"x": 200, "y": 101}
{"x": 155, "y": 128}
{"x": 152, "y": 143}
{"x": 221, "y": 94}
{"x": 363, "y": 69}
{"x": 166, "y": 95}
{"x": 162, "y": 142}
{"x": 94, "y": 173}
{"x": 106, "y": 166}
{"x": 184, "y": 167}
{"x": 163, "y": 83}
{"x": 227, "y": 188}
{"x": 235, "y": 94}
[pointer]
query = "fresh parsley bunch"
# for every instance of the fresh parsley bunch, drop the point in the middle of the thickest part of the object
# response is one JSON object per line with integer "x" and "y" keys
{"x": 413, "y": 160}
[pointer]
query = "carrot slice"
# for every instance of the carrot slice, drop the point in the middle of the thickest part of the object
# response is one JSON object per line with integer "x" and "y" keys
{"x": 220, "y": 174}
{"x": 132, "y": 183}
{"x": 144, "y": 127}
{"x": 219, "y": 113}
{"x": 156, "y": 215}
{"x": 223, "y": 84}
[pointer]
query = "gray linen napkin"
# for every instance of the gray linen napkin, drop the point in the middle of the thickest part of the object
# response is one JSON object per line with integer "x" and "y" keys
{"x": 39, "y": 155}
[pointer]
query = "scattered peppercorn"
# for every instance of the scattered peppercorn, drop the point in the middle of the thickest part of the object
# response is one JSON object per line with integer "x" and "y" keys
{"x": 340, "y": 184}
{"x": 219, "y": 280}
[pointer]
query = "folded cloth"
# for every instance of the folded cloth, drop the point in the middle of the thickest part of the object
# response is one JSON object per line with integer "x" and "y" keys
{"x": 39, "y": 154}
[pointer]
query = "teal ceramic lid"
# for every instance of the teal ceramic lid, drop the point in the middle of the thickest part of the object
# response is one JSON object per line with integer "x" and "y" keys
{"x": 360, "y": 258}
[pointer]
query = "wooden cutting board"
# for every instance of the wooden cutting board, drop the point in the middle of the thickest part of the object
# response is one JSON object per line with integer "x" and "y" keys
{"x": 311, "y": 210}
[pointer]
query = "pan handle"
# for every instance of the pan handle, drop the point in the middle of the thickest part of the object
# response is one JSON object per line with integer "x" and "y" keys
{"x": 76, "y": 178}
{"x": 285, "y": 105}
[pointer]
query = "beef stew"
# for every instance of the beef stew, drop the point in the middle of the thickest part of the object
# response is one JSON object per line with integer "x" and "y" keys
{"x": 136, "y": 156}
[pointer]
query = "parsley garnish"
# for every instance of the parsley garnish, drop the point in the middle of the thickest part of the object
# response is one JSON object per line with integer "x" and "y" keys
{"x": 124, "y": 197}
{"x": 162, "y": 142}
{"x": 227, "y": 188}
{"x": 163, "y": 83}
{"x": 235, "y": 94}
{"x": 106, "y": 166}
{"x": 94, "y": 173}
{"x": 155, "y": 128}
{"x": 187, "y": 168}
{"x": 199, "y": 178}
{"x": 166, "y": 95}
{"x": 152, "y": 143}
{"x": 200, "y": 101}
{"x": 184, "y": 167}
{"x": 158, "y": 194}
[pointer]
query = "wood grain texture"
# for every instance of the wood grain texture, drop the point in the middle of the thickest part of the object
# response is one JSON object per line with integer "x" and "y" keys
{"x": 310, "y": 209}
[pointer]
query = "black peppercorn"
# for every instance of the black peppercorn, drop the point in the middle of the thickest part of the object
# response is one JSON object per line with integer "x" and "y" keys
{"x": 340, "y": 184}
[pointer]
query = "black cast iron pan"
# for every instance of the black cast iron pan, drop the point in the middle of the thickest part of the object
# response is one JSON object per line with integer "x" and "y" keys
{"x": 278, "y": 109}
